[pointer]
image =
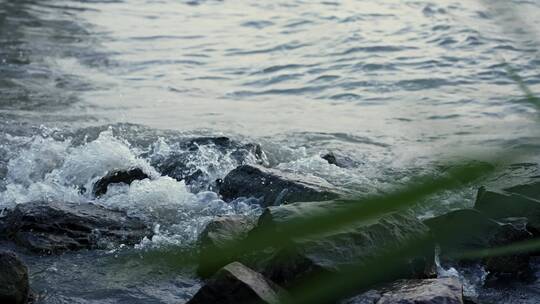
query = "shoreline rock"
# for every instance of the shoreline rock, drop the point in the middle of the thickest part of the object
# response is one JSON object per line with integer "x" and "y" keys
{"x": 274, "y": 187}
{"x": 218, "y": 232}
{"x": 531, "y": 190}
{"x": 338, "y": 250}
{"x": 500, "y": 205}
{"x": 54, "y": 227}
{"x": 238, "y": 284}
{"x": 14, "y": 285}
{"x": 465, "y": 230}
{"x": 430, "y": 291}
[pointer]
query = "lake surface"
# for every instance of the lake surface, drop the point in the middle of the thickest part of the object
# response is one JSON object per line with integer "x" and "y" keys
{"x": 398, "y": 86}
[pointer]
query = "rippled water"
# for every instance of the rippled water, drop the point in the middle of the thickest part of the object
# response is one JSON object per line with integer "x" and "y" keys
{"x": 398, "y": 86}
{"x": 407, "y": 72}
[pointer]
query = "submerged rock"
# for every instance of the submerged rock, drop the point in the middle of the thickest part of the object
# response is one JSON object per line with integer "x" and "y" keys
{"x": 56, "y": 227}
{"x": 339, "y": 250}
{"x": 431, "y": 291}
{"x": 340, "y": 160}
{"x": 274, "y": 187}
{"x": 115, "y": 177}
{"x": 500, "y": 204}
{"x": 468, "y": 229}
{"x": 218, "y": 232}
{"x": 184, "y": 163}
{"x": 14, "y": 286}
{"x": 238, "y": 284}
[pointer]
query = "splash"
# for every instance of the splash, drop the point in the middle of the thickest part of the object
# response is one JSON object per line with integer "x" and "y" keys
{"x": 48, "y": 169}
{"x": 472, "y": 277}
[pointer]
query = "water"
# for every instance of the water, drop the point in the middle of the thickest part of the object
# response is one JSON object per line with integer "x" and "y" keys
{"x": 398, "y": 86}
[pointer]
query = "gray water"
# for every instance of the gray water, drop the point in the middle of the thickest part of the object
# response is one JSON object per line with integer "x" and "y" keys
{"x": 398, "y": 86}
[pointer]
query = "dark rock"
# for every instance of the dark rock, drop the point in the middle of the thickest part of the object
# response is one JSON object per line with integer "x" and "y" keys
{"x": 462, "y": 230}
{"x": 468, "y": 229}
{"x": 531, "y": 190}
{"x": 115, "y": 177}
{"x": 500, "y": 204}
{"x": 196, "y": 177}
{"x": 184, "y": 163}
{"x": 432, "y": 291}
{"x": 339, "y": 160}
{"x": 511, "y": 265}
{"x": 274, "y": 187}
{"x": 368, "y": 297}
{"x": 57, "y": 227}
{"x": 339, "y": 250}
{"x": 14, "y": 287}
{"x": 218, "y": 232}
{"x": 238, "y": 284}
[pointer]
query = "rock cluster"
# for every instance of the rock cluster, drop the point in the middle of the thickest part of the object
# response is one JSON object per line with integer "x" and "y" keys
{"x": 499, "y": 218}
{"x": 181, "y": 164}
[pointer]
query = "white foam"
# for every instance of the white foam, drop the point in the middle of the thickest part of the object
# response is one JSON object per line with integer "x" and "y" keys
{"x": 85, "y": 164}
{"x": 359, "y": 179}
{"x": 56, "y": 170}
{"x": 32, "y": 164}
{"x": 472, "y": 277}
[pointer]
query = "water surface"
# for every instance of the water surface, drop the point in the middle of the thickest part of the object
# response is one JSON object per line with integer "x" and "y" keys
{"x": 398, "y": 86}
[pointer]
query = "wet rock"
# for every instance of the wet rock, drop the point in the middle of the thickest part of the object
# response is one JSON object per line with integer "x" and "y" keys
{"x": 468, "y": 229}
{"x": 189, "y": 156}
{"x": 14, "y": 286}
{"x": 340, "y": 160}
{"x": 218, "y": 232}
{"x": 431, "y": 291}
{"x": 274, "y": 187}
{"x": 511, "y": 265}
{"x": 461, "y": 230}
{"x": 238, "y": 284}
{"x": 531, "y": 190}
{"x": 115, "y": 177}
{"x": 56, "y": 227}
{"x": 339, "y": 250}
{"x": 501, "y": 204}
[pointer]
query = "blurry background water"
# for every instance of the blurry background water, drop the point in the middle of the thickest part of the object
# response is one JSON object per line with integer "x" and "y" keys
{"x": 396, "y": 85}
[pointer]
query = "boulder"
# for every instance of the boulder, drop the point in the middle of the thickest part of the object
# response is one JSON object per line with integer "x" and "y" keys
{"x": 184, "y": 163}
{"x": 274, "y": 187}
{"x": 466, "y": 230}
{"x": 338, "y": 250}
{"x": 56, "y": 227}
{"x": 118, "y": 176}
{"x": 510, "y": 265}
{"x": 531, "y": 190}
{"x": 14, "y": 287}
{"x": 501, "y": 204}
{"x": 238, "y": 284}
{"x": 431, "y": 291}
{"x": 218, "y": 232}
